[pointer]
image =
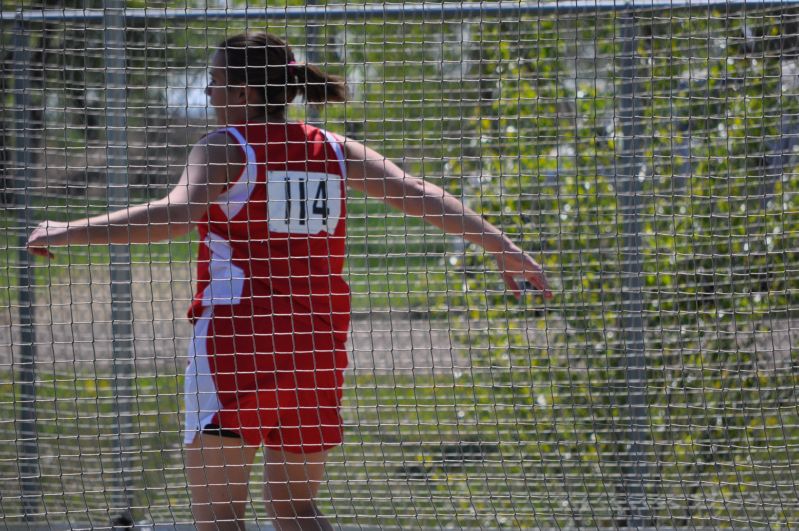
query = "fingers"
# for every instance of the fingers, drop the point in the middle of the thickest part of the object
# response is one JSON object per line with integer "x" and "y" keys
{"x": 512, "y": 285}
{"x": 522, "y": 273}
{"x": 539, "y": 281}
{"x": 518, "y": 286}
{"x": 37, "y": 242}
{"x": 40, "y": 251}
{"x": 44, "y": 253}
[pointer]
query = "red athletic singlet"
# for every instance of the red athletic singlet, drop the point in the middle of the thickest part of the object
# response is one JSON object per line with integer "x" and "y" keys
{"x": 271, "y": 311}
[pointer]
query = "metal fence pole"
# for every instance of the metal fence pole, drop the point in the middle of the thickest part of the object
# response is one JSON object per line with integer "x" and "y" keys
{"x": 636, "y": 471}
{"x": 26, "y": 433}
{"x": 314, "y": 57}
{"x": 121, "y": 278}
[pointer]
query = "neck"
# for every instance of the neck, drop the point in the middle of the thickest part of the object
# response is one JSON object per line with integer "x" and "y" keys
{"x": 256, "y": 115}
{"x": 276, "y": 117}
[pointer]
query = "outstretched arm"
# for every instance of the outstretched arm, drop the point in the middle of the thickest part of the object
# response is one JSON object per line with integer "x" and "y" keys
{"x": 212, "y": 163}
{"x": 377, "y": 177}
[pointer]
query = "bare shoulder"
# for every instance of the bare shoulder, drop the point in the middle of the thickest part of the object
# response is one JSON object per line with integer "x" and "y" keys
{"x": 366, "y": 167}
{"x": 218, "y": 147}
{"x": 354, "y": 151}
{"x": 215, "y": 159}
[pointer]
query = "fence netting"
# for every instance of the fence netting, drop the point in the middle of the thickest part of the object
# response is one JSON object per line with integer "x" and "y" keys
{"x": 646, "y": 157}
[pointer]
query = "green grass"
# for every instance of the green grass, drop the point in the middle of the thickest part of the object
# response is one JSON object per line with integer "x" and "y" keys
{"x": 410, "y": 440}
{"x": 466, "y": 449}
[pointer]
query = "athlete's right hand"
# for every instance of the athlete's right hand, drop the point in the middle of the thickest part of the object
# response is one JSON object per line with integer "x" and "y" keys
{"x": 518, "y": 268}
{"x": 47, "y": 234}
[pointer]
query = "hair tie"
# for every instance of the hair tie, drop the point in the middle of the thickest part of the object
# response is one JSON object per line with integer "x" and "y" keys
{"x": 291, "y": 68}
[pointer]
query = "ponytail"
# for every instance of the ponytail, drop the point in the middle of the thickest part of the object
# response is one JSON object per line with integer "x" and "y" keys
{"x": 318, "y": 86}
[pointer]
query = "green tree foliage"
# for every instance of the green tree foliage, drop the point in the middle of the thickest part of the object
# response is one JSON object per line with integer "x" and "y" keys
{"x": 718, "y": 232}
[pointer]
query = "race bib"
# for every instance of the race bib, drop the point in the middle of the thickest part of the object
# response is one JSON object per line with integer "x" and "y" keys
{"x": 303, "y": 202}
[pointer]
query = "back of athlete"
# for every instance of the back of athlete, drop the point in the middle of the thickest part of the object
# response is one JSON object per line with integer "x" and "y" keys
{"x": 272, "y": 308}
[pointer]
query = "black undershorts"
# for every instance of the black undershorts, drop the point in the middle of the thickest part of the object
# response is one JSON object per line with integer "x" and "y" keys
{"x": 213, "y": 429}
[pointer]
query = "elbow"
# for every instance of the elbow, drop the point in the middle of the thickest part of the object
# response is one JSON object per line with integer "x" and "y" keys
{"x": 412, "y": 202}
{"x": 178, "y": 215}
{"x": 168, "y": 221}
{"x": 409, "y": 206}
{"x": 156, "y": 232}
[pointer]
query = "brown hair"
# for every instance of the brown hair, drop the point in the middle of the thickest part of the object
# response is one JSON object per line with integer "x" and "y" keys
{"x": 266, "y": 62}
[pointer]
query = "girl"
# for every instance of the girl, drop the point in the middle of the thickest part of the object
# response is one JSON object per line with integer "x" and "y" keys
{"x": 271, "y": 310}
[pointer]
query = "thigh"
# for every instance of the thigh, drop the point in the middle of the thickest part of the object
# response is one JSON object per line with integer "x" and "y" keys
{"x": 292, "y": 478}
{"x": 218, "y": 471}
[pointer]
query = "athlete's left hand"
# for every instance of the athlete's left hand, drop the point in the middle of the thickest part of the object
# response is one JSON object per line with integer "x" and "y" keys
{"x": 47, "y": 233}
{"x": 516, "y": 266}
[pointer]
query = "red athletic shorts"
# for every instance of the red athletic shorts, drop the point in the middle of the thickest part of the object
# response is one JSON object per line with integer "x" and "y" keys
{"x": 274, "y": 378}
